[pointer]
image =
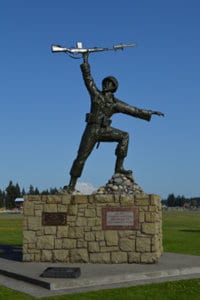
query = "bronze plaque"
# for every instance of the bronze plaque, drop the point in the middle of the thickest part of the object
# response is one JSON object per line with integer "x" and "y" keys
{"x": 120, "y": 218}
{"x": 54, "y": 219}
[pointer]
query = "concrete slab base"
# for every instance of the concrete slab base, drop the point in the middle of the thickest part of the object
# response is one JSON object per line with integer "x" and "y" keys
{"x": 25, "y": 277}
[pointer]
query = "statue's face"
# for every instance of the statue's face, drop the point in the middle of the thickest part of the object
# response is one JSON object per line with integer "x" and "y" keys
{"x": 108, "y": 86}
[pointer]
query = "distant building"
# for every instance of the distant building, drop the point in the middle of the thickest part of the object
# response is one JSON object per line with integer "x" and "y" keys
{"x": 19, "y": 203}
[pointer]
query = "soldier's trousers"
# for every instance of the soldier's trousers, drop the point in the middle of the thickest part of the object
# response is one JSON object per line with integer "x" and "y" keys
{"x": 94, "y": 134}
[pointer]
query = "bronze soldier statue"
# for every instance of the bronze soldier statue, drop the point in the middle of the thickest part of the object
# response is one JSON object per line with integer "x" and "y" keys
{"x": 98, "y": 128}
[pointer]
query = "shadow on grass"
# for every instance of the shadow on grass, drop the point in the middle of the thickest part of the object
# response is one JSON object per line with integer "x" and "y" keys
{"x": 11, "y": 252}
{"x": 191, "y": 230}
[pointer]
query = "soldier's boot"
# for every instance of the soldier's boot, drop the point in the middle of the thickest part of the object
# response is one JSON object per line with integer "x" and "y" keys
{"x": 119, "y": 167}
{"x": 71, "y": 186}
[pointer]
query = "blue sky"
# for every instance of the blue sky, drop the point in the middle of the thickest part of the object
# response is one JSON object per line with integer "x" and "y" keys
{"x": 44, "y": 101}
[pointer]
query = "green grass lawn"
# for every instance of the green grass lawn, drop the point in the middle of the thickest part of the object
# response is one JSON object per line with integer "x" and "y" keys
{"x": 176, "y": 290}
{"x": 181, "y": 234}
{"x": 11, "y": 229}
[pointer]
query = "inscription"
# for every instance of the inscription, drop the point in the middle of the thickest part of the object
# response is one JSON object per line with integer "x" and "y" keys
{"x": 54, "y": 219}
{"x": 120, "y": 218}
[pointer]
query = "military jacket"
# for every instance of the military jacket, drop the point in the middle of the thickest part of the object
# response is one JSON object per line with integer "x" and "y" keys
{"x": 104, "y": 105}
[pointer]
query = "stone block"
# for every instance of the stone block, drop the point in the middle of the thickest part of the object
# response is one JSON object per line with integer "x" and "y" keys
{"x": 81, "y": 221}
{"x": 62, "y": 208}
{"x": 79, "y": 256}
{"x": 93, "y": 247}
{"x": 46, "y": 255}
{"x": 127, "y": 245}
{"x": 58, "y": 243}
{"x": 142, "y": 202}
{"x": 37, "y": 257}
{"x": 69, "y": 243}
{"x": 89, "y": 236}
{"x": 54, "y": 199}
{"x": 127, "y": 233}
{"x": 61, "y": 255}
{"x": 50, "y": 230}
{"x": 102, "y": 244}
{"x": 99, "y": 212}
{"x": 151, "y": 217}
{"x": 38, "y": 212}
{"x": 35, "y": 198}
{"x": 79, "y": 199}
{"x": 45, "y": 242}
{"x": 50, "y": 208}
{"x": 28, "y": 208}
{"x": 156, "y": 244}
{"x": 134, "y": 257}
{"x": 73, "y": 210}
{"x": 155, "y": 200}
{"x": 39, "y": 232}
{"x": 81, "y": 244}
{"x": 108, "y": 249}
{"x": 98, "y": 222}
{"x": 143, "y": 244}
{"x": 149, "y": 258}
{"x": 34, "y": 223}
{"x": 119, "y": 257}
{"x": 90, "y": 213}
{"x": 28, "y": 257}
{"x": 91, "y": 222}
{"x": 143, "y": 208}
{"x": 99, "y": 235}
{"x": 31, "y": 248}
{"x": 111, "y": 237}
{"x": 66, "y": 199}
{"x": 62, "y": 231}
{"x": 104, "y": 199}
{"x": 149, "y": 228}
{"x": 100, "y": 258}
{"x": 29, "y": 236}
{"x": 76, "y": 232}
{"x": 126, "y": 201}
{"x": 141, "y": 217}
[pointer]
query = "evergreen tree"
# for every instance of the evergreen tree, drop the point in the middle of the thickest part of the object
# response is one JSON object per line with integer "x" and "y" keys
{"x": 12, "y": 192}
{"x": 45, "y": 192}
{"x": 31, "y": 190}
{"x": 53, "y": 191}
{"x": 171, "y": 200}
{"x": 2, "y": 198}
{"x": 36, "y": 191}
{"x": 23, "y": 192}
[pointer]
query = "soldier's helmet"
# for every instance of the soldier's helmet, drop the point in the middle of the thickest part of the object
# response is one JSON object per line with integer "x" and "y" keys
{"x": 114, "y": 82}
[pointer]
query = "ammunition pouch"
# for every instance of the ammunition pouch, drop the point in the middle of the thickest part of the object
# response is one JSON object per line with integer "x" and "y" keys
{"x": 103, "y": 122}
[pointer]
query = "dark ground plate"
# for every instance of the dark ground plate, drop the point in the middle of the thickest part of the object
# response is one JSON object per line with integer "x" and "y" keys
{"x": 61, "y": 272}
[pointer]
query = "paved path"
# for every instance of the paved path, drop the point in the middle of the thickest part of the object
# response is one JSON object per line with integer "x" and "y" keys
{"x": 25, "y": 277}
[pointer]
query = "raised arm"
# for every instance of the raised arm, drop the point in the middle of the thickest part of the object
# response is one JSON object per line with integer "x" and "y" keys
{"x": 87, "y": 77}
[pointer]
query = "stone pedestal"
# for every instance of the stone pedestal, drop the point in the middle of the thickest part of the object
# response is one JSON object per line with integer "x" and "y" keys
{"x": 92, "y": 228}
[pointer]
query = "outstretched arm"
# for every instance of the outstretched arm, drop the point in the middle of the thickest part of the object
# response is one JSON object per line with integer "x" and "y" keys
{"x": 134, "y": 111}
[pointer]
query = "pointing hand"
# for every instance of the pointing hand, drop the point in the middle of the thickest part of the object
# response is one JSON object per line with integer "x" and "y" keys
{"x": 158, "y": 113}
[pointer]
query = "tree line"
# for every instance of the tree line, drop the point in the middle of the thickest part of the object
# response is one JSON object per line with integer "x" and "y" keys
{"x": 182, "y": 201}
{"x": 13, "y": 191}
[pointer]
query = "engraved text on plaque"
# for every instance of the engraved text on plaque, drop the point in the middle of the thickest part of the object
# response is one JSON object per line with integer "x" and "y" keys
{"x": 120, "y": 218}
